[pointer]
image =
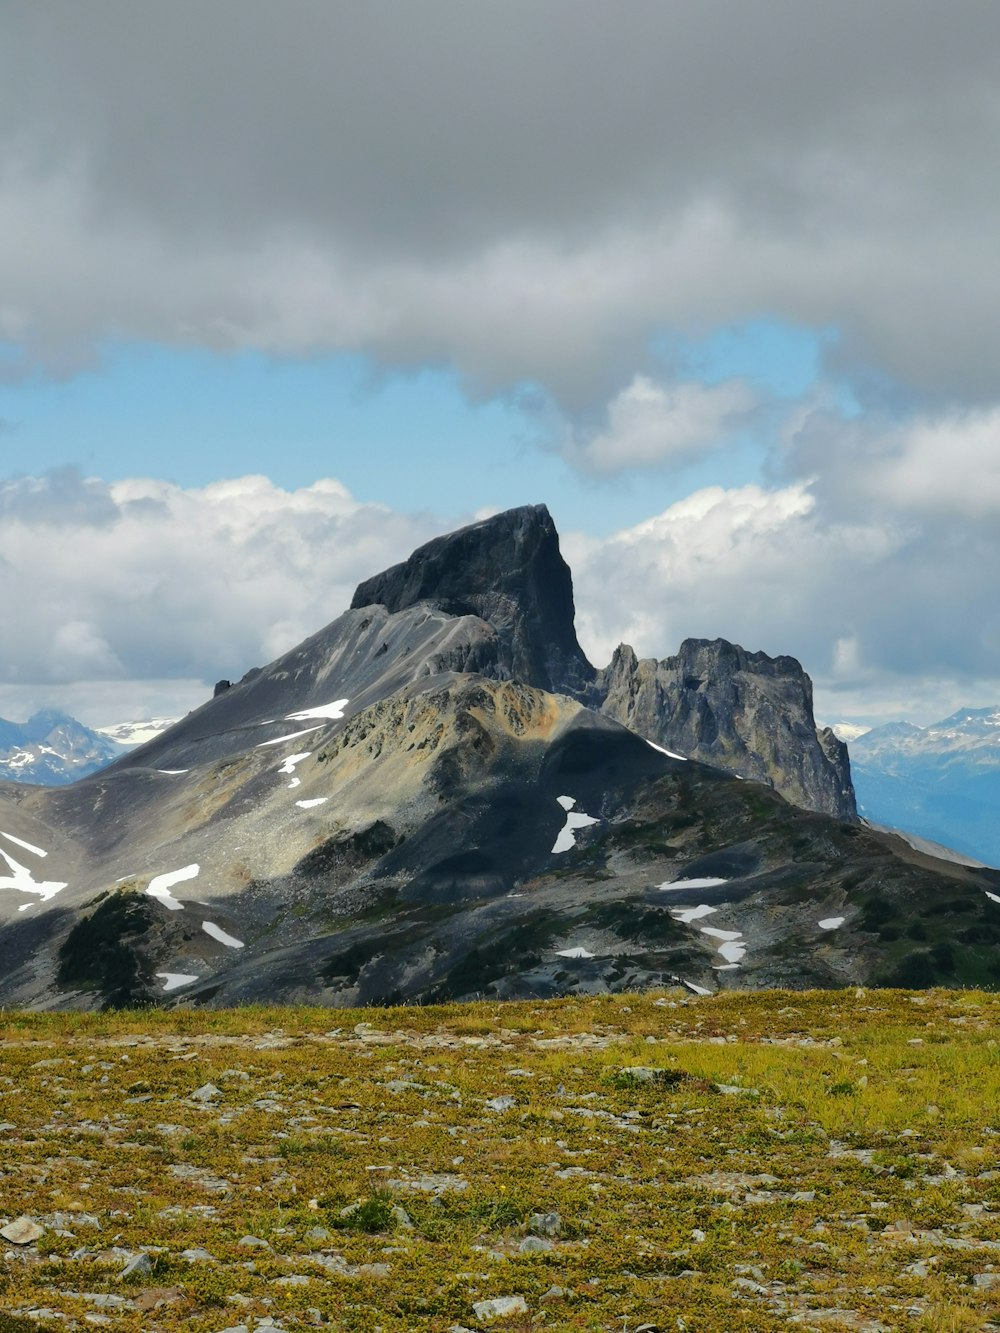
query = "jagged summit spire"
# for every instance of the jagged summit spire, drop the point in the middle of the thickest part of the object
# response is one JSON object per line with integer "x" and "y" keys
{"x": 508, "y": 571}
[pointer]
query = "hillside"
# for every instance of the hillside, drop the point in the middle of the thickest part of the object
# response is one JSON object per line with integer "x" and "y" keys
{"x": 737, "y": 1164}
{"x": 386, "y": 814}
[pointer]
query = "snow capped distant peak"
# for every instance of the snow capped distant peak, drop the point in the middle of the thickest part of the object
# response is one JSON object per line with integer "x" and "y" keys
{"x": 136, "y": 733}
{"x": 847, "y": 731}
{"x": 51, "y": 749}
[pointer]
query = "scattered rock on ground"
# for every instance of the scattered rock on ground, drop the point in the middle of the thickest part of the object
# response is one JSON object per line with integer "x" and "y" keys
{"x": 545, "y": 1224}
{"x": 534, "y": 1245}
{"x": 499, "y": 1306}
{"x": 208, "y": 1092}
{"x": 140, "y": 1266}
{"x": 505, "y": 1103}
{"x": 22, "y": 1231}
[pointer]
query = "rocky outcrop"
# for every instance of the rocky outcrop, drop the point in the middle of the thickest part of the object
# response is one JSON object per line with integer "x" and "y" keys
{"x": 508, "y": 571}
{"x": 746, "y": 712}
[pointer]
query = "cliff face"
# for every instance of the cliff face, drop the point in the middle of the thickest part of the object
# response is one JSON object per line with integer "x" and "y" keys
{"x": 508, "y": 571}
{"x": 746, "y": 712}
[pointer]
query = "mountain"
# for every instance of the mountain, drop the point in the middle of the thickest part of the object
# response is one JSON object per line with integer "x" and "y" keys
{"x": 431, "y": 799}
{"x": 746, "y": 712}
{"x": 508, "y": 572}
{"x": 52, "y": 748}
{"x": 848, "y": 731}
{"x": 136, "y": 733}
{"x": 743, "y": 711}
{"x": 941, "y": 782}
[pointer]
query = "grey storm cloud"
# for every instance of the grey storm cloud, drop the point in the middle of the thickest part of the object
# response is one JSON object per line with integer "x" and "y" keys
{"x": 526, "y": 190}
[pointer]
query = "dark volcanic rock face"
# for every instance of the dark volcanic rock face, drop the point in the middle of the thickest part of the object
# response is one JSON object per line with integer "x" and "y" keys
{"x": 746, "y": 712}
{"x": 509, "y": 572}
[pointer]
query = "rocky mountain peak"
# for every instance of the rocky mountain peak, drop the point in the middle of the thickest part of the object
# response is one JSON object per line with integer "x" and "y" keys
{"x": 496, "y": 599}
{"x": 740, "y": 710}
{"x": 508, "y": 571}
{"x": 52, "y": 748}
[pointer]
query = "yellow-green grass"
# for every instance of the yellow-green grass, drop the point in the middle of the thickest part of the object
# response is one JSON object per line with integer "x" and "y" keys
{"x": 853, "y": 1183}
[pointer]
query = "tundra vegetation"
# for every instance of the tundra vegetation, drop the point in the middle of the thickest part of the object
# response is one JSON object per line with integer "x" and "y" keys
{"x": 751, "y": 1161}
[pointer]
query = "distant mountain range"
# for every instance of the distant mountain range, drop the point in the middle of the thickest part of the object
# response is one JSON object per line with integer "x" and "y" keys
{"x": 941, "y": 782}
{"x": 438, "y": 796}
{"x": 136, "y": 733}
{"x": 52, "y": 748}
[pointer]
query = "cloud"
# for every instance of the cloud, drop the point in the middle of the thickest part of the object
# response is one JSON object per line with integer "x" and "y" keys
{"x": 444, "y": 183}
{"x": 650, "y": 423}
{"x": 61, "y": 497}
{"x": 135, "y": 597}
{"x": 176, "y": 585}
{"x": 888, "y": 609}
{"x": 943, "y": 466}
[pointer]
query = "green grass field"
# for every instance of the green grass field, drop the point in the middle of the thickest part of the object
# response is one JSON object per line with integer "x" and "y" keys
{"x": 781, "y": 1160}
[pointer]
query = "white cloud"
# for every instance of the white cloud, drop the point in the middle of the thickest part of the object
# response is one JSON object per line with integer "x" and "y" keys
{"x": 887, "y": 613}
{"x": 143, "y": 581}
{"x": 930, "y": 467}
{"x": 706, "y": 567}
{"x": 947, "y": 465}
{"x": 650, "y": 423}
{"x": 135, "y": 597}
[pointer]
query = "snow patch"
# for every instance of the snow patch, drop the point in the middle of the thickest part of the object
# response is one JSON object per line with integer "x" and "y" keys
{"x": 567, "y": 838}
{"x": 577, "y": 952}
{"x": 21, "y": 879}
{"x": 733, "y": 952}
{"x": 332, "y": 710}
{"x": 292, "y": 736}
{"x": 706, "y": 882}
{"x": 293, "y": 759}
{"x": 832, "y": 922}
{"x": 685, "y": 915}
{"x": 28, "y": 846}
{"x": 217, "y": 933}
{"x": 172, "y": 772}
{"x": 160, "y": 887}
{"x": 698, "y": 990}
{"x": 732, "y": 947}
{"x": 172, "y": 980}
{"x": 136, "y": 733}
{"x": 308, "y": 805}
{"x": 671, "y": 754}
{"x": 993, "y": 897}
